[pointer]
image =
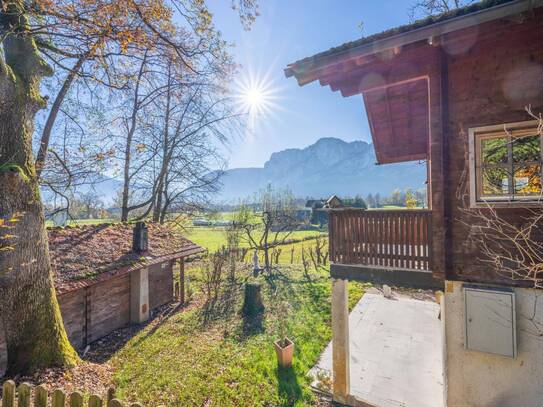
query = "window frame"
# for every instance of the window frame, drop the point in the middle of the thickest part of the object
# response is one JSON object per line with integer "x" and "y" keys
{"x": 476, "y": 135}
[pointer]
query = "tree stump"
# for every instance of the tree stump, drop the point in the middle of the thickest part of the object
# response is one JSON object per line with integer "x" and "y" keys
{"x": 252, "y": 304}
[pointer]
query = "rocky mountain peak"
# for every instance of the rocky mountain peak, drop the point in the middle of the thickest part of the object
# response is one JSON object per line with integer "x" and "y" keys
{"x": 329, "y": 166}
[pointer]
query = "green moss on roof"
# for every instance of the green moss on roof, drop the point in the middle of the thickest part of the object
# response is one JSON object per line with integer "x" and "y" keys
{"x": 424, "y": 22}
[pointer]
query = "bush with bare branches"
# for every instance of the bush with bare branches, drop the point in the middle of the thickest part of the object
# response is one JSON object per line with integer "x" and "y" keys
{"x": 513, "y": 248}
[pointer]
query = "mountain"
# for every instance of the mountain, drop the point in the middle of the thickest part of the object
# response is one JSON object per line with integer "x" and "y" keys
{"x": 330, "y": 166}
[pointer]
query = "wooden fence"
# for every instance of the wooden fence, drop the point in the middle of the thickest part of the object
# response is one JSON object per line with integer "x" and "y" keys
{"x": 25, "y": 396}
{"x": 389, "y": 238}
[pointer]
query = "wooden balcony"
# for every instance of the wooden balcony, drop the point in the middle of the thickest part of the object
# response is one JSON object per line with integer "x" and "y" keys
{"x": 381, "y": 240}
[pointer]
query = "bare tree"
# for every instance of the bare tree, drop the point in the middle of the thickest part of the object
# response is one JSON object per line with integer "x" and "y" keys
{"x": 96, "y": 49}
{"x": 513, "y": 249}
{"x": 179, "y": 165}
{"x": 91, "y": 41}
{"x": 268, "y": 223}
{"x": 33, "y": 33}
{"x": 432, "y": 7}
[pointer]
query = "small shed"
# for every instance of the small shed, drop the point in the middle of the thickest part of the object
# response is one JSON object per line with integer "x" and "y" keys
{"x": 102, "y": 283}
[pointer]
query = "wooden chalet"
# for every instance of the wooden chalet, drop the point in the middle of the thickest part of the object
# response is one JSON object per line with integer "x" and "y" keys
{"x": 451, "y": 90}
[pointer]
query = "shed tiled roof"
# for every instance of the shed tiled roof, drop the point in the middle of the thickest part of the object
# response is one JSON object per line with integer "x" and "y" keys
{"x": 84, "y": 255}
{"x": 424, "y": 22}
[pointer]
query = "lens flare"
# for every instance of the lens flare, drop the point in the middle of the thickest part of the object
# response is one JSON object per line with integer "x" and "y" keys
{"x": 257, "y": 97}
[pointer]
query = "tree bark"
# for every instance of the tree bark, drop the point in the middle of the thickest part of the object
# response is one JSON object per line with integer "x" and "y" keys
{"x": 33, "y": 325}
{"x": 165, "y": 154}
{"x": 125, "y": 210}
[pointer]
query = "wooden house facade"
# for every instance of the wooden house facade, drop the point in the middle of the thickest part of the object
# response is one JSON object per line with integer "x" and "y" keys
{"x": 464, "y": 92}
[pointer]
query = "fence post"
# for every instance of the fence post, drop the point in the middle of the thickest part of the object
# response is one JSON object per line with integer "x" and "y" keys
{"x": 110, "y": 396}
{"x": 95, "y": 401}
{"x": 182, "y": 280}
{"x": 76, "y": 399}
{"x": 40, "y": 396}
{"x": 8, "y": 394}
{"x": 176, "y": 291}
{"x": 59, "y": 399}
{"x": 23, "y": 396}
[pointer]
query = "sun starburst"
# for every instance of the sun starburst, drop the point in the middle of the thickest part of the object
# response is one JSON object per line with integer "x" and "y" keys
{"x": 256, "y": 96}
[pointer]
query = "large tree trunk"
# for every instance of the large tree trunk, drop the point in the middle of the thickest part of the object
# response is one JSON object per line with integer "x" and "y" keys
{"x": 33, "y": 325}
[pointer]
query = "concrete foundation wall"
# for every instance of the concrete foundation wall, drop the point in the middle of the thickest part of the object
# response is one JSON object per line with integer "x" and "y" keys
{"x": 476, "y": 379}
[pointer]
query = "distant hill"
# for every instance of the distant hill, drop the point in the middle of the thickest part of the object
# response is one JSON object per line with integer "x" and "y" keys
{"x": 330, "y": 166}
{"x": 105, "y": 188}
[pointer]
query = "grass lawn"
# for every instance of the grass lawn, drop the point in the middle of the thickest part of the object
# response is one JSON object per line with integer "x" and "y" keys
{"x": 213, "y": 238}
{"x": 230, "y": 361}
{"x": 81, "y": 222}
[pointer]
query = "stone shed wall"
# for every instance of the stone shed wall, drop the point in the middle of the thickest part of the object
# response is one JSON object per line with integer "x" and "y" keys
{"x": 91, "y": 313}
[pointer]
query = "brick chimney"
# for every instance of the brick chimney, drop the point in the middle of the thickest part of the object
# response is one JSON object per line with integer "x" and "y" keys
{"x": 140, "y": 239}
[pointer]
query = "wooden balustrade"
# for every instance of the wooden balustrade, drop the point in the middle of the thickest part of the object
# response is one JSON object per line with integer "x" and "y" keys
{"x": 382, "y": 238}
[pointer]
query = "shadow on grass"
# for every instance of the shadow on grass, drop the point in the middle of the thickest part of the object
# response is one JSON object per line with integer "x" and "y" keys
{"x": 288, "y": 387}
{"x": 252, "y": 325}
{"x": 103, "y": 349}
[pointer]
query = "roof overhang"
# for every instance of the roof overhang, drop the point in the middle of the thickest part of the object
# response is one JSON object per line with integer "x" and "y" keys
{"x": 310, "y": 69}
{"x": 392, "y": 73}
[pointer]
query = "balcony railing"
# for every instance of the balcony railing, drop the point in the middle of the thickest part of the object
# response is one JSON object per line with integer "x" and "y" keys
{"x": 389, "y": 238}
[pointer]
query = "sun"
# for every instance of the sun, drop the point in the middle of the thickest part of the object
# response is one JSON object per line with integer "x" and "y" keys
{"x": 256, "y": 96}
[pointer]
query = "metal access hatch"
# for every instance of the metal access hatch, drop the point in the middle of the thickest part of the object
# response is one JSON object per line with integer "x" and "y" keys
{"x": 490, "y": 320}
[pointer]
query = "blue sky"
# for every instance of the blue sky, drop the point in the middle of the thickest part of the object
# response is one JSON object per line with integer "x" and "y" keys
{"x": 285, "y": 32}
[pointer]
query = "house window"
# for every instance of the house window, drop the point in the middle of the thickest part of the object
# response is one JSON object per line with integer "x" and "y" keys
{"x": 507, "y": 163}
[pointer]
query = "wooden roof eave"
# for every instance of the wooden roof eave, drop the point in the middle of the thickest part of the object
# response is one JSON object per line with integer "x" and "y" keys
{"x": 308, "y": 71}
{"x": 73, "y": 285}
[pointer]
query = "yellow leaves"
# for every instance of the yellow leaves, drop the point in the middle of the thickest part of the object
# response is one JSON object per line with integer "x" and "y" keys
{"x": 140, "y": 148}
{"x": 102, "y": 155}
{"x": 7, "y": 223}
{"x": 125, "y": 22}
